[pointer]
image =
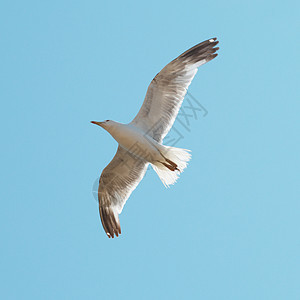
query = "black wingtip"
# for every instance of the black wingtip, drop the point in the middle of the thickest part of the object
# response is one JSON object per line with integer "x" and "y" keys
{"x": 110, "y": 221}
{"x": 200, "y": 51}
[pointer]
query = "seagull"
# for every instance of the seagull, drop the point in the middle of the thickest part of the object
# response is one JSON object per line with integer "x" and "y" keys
{"x": 140, "y": 141}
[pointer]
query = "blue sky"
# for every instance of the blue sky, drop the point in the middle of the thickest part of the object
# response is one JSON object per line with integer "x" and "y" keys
{"x": 229, "y": 229}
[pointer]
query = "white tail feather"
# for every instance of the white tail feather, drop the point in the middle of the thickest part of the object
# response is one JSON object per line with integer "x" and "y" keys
{"x": 167, "y": 176}
{"x": 176, "y": 155}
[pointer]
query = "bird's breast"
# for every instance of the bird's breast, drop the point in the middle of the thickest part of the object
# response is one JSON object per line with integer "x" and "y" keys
{"x": 137, "y": 142}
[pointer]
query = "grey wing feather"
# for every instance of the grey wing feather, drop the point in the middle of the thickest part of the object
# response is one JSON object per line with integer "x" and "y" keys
{"x": 117, "y": 181}
{"x": 168, "y": 88}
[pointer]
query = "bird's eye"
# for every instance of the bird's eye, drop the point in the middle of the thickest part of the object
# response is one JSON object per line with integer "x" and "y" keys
{"x": 106, "y": 120}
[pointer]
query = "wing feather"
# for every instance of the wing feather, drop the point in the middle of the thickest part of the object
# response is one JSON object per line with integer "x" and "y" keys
{"x": 168, "y": 88}
{"x": 117, "y": 181}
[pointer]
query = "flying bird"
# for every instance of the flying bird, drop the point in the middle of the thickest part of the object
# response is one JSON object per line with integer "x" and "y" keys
{"x": 140, "y": 141}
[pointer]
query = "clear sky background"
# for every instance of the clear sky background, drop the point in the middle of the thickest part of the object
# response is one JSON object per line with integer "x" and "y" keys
{"x": 229, "y": 228}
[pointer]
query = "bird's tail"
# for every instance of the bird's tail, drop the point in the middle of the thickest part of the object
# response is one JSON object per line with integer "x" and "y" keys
{"x": 176, "y": 160}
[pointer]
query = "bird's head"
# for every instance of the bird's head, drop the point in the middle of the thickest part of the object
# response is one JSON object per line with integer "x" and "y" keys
{"x": 108, "y": 125}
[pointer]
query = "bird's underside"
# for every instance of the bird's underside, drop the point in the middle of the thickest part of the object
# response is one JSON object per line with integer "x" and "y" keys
{"x": 156, "y": 117}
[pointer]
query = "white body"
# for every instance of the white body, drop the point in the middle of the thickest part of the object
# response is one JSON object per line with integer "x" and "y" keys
{"x": 136, "y": 141}
{"x": 168, "y": 162}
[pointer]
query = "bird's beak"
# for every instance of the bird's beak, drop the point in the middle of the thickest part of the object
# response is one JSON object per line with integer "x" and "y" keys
{"x": 97, "y": 123}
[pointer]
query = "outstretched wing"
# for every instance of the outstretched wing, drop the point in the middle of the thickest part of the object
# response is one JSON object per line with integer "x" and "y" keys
{"x": 168, "y": 88}
{"x": 117, "y": 181}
